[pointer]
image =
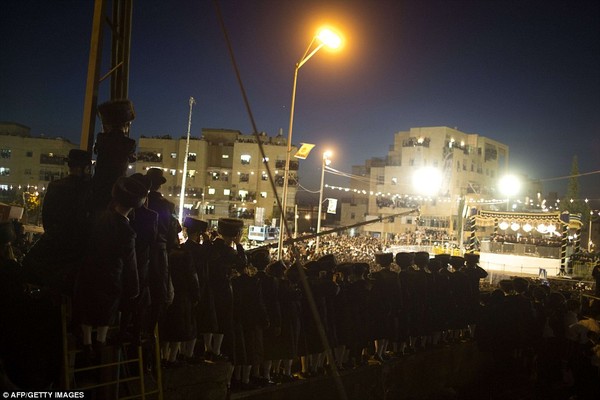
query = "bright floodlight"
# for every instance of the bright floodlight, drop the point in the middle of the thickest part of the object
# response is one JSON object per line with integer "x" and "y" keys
{"x": 427, "y": 181}
{"x": 509, "y": 185}
{"x": 329, "y": 38}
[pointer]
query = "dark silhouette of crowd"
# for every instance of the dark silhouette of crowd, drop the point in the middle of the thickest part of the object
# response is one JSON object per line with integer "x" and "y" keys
{"x": 112, "y": 250}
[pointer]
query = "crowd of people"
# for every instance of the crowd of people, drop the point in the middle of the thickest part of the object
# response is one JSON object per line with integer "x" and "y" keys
{"x": 112, "y": 249}
{"x": 553, "y": 241}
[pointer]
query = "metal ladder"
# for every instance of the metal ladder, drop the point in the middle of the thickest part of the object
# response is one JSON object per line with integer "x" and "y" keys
{"x": 115, "y": 369}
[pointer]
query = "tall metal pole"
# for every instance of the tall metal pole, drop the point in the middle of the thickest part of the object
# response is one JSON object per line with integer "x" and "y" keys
{"x": 185, "y": 162}
{"x": 320, "y": 203}
{"x": 286, "y": 173}
{"x": 589, "y": 246}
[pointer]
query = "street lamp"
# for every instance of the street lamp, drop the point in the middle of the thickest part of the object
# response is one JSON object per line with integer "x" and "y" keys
{"x": 324, "y": 37}
{"x": 509, "y": 186}
{"x": 326, "y": 162}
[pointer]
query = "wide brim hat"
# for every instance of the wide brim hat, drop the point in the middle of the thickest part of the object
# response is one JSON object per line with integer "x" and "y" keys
{"x": 79, "y": 158}
{"x": 116, "y": 112}
{"x": 327, "y": 262}
{"x": 384, "y": 258}
{"x": 260, "y": 258}
{"x": 156, "y": 176}
{"x": 142, "y": 179}
{"x": 276, "y": 269}
{"x": 404, "y": 259}
{"x": 129, "y": 192}
{"x": 312, "y": 268}
{"x": 230, "y": 227}
{"x": 360, "y": 268}
{"x": 193, "y": 225}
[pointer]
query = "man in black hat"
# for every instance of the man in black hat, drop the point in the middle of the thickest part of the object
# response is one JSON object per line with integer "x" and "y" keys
{"x": 474, "y": 274}
{"x": 198, "y": 246}
{"x": 385, "y": 298}
{"x": 221, "y": 260}
{"x": 109, "y": 272}
{"x": 114, "y": 149}
{"x": 269, "y": 285}
{"x": 166, "y": 239}
{"x": 53, "y": 261}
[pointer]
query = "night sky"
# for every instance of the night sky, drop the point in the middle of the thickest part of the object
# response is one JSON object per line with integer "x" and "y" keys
{"x": 525, "y": 73}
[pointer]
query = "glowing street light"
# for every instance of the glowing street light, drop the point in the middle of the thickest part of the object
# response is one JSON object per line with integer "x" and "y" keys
{"x": 427, "y": 181}
{"x": 326, "y": 162}
{"x": 324, "y": 37}
{"x": 509, "y": 185}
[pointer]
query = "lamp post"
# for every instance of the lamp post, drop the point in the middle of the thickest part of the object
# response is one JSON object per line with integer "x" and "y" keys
{"x": 326, "y": 162}
{"x": 325, "y": 37}
{"x": 185, "y": 162}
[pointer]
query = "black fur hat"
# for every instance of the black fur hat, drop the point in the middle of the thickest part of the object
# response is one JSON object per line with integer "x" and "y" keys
{"x": 384, "y": 258}
{"x": 421, "y": 257}
{"x": 193, "y": 225}
{"x": 457, "y": 262}
{"x": 472, "y": 258}
{"x": 116, "y": 112}
{"x": 404, "y": 259}
{"x": 230, "y": 227}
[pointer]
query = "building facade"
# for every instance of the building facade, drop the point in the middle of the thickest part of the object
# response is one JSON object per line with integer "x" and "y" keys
{"x": 226, "y": 174}
{"x": 27, "y": 161}
{"x": 435, "y": 169}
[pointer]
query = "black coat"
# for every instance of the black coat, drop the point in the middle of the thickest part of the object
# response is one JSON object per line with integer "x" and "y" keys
{"x": 250, "y": 318}
{"x": 159, "y": 264}
{"x": 206, "y": 318}
{"x": 384, "y": 303}
{"x": 179, "y": 321}
{"x": 56, "y": 256}
{"x": 109, "y": 272}
{"x": 285, "y": 346}
{"x": 221, "y": 260}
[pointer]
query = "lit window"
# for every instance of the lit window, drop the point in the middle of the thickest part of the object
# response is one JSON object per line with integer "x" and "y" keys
{"x": 264, "y": 176}
{"x": 245, "y": 159}
{"x": 192, "y": 156}
{"x": 173, "y": 155}
{"x": 263, "y": 195}
{"x": 226, "y": 192}
{"x": 4, "y": 171}
{"x": 266, "y": 159}
{"x": 394, "y": 181}
{"x": 173, "y": 172}
{"x": 211, "y": 190}
{"x": 242, "y": 193}
{"x": 225, "y": 156}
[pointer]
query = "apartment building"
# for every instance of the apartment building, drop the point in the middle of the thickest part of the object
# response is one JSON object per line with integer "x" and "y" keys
{"x": 226, "y": 174}
{"x": 27, "y": 161}
{"x": 432, "y": 168}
